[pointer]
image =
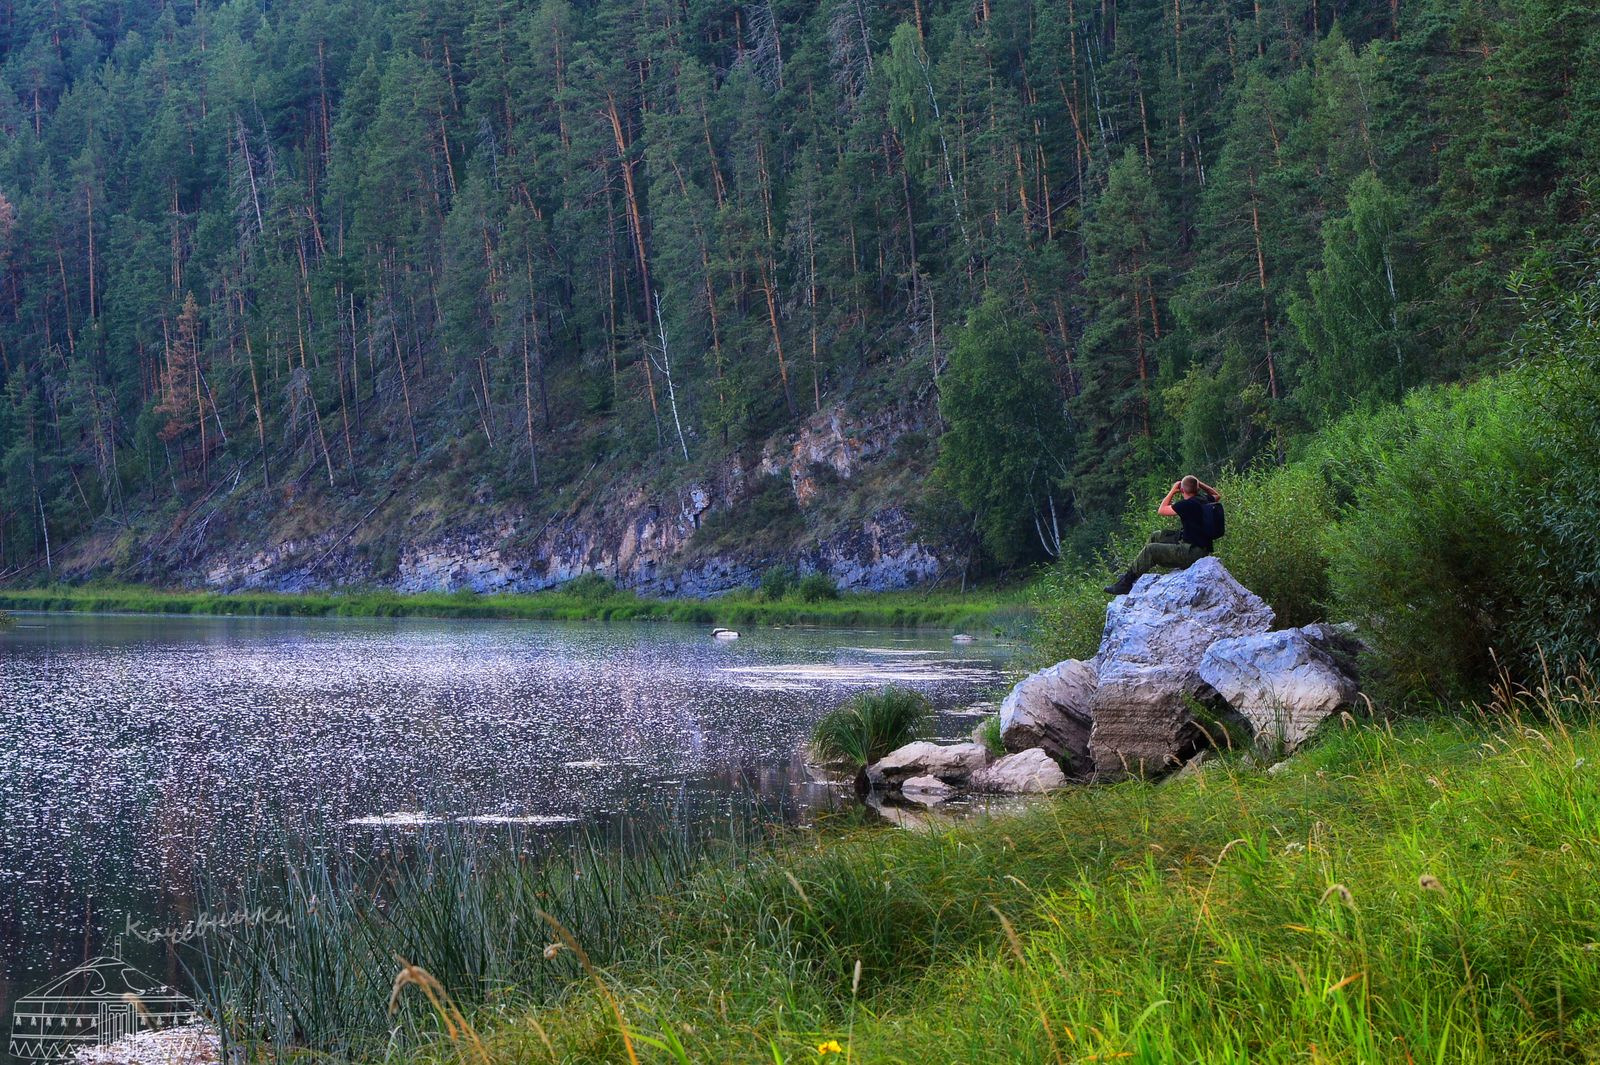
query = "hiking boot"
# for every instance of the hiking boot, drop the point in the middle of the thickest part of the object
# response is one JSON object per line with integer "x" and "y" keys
{"x": 1123, "y": 584}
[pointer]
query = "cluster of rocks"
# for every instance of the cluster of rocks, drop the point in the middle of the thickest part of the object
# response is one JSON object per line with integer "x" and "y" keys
{"x": 1187, "y": 661}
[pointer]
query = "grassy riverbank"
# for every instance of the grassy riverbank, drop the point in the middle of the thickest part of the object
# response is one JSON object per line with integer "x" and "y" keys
{"x": 983, "y": 610}
{"x": 1419, "y": 892}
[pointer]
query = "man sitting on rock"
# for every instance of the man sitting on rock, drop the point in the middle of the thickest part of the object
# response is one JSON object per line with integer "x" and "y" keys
{"x": 1175, "y": 548}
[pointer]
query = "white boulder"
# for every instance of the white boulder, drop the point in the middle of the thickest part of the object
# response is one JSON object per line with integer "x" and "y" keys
{"x": 927, "y": 790}
{"x": 1148, "y": 664}
{"x": 952, "y": 763}
{"x": 1052, "y": 709}
{"x": 1027, "y": 772}
{"x": 1284, "y": 683}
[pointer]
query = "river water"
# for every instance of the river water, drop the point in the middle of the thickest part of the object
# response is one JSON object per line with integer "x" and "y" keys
{"x": 135, "y": 749}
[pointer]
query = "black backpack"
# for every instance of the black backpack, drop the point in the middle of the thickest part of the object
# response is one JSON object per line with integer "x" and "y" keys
{"x": 1216, "y": 520}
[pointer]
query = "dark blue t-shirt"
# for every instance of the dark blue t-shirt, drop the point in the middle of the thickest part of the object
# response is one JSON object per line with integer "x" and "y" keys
{"x": 1192, "y": 512}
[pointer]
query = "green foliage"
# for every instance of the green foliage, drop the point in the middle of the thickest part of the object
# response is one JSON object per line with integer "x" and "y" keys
{"x": 6, "y": 620}
{"x": 870, "y": 725}
{"x": 1425, "y": 560}
{"x": 778, "y": 582}
{"x": 590, "y": 587}
{"x": 1359, "y": 320}
{"x": 1071, "y": 612}
{"x": 988, "y": 734}
{"x": 1558, "y": 615}
{"x": 769, "y": 518}
{"x": 1279, "y": 518}
{"x": 1003, "y": 454}
{"x": 816, "y": 588}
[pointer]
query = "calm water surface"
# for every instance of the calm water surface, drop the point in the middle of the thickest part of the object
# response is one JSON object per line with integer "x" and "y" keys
{"x": 134, "y": 749}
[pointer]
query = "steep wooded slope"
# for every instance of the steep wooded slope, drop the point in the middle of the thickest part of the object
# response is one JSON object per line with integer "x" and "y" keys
{"x": 491, "y": 293}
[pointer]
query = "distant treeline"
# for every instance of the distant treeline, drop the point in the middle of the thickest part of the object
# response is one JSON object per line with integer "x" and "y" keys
{"x": 308, "y": 250}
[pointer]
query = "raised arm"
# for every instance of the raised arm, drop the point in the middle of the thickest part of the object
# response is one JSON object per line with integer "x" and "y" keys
{"x": 1207, "y": 488}
{"x": 1165, "y": 509}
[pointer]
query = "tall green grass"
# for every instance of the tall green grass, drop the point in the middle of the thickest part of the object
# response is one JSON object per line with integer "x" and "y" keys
{"x": 1404, "y": 891}
{"x": 869, "y": 725}
{"x": 1408, "y": 892}
{"x": 482, "y": 915}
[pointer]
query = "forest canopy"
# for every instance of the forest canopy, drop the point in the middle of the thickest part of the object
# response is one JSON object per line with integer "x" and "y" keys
{"x": 329, "y": 245}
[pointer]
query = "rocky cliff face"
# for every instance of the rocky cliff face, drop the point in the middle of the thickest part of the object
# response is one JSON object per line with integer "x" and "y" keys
{"x": 641, "y": 538}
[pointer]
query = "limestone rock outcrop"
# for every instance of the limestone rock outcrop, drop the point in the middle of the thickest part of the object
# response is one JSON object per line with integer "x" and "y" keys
{"x": 1052, "y": 709}
{"x": 1147, "y": 669}
{"x": 1283, "y": 683}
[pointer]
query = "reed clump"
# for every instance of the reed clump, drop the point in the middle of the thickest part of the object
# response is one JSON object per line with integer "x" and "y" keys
{"x": 870, "y": 725}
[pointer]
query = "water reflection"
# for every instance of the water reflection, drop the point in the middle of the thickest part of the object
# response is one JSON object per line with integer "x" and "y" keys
{"x": 135, "y": 752}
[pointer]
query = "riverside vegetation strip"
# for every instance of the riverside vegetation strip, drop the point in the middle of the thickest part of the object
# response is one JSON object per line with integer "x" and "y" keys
{"x": 1413, "y": 891}
{"x": 984, "y": 611}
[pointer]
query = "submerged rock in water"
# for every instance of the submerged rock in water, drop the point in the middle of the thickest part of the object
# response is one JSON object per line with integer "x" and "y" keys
{"x": 1052, "y": 709}
{"x": 1149, "y": 658}
{"x": 927, "y": 790}
{"x": 953, "y": 763}
{"x": 1284, "y": 683}
{"x": 1029, "y": 772}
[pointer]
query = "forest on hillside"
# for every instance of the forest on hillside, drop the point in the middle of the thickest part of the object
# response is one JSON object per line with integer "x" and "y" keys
{"x": 312, "y": 250}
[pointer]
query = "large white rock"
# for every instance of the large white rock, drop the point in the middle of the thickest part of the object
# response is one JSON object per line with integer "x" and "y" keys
{"x": 1051, "y": 709}
{"x": 1025, "y": 773}
{"x": 952, "y": 763}
{"x": 1149, "y": 659}
{"x": 1284, "y": 683}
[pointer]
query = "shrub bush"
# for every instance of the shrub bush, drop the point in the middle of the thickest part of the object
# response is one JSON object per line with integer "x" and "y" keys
{"x": 870, "y": 725}
{"x": 1556, "y": 524}
{"x": 816, "y": 588}
{"x": 1278, "y": 521}
{"x": 1070, "y": 612}
{"x": 988, "y": 734}
{"x": 778, "y": 582}
{"x": 590, "y": 587}
{"x": 1426, "y": 560}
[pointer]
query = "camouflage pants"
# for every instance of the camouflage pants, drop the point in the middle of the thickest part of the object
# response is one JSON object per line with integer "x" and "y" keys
{"x": 1166, "y": 548}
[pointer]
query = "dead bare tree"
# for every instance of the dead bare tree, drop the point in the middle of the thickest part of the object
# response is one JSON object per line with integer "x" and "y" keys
{"x": 664, "y": 364}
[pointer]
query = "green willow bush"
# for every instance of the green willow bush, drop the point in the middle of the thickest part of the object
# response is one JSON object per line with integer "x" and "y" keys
{"x": 816, "y": 588}
{"x": 1469, "y": 544}
{"x": 1278, "y": 521}
{"x": 1425, "y": 561}
{"x": 1069, "y": 611}
{"x": 1557, "y": 521}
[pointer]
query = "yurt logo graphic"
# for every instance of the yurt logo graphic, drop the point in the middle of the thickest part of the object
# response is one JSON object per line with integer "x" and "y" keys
{"x": 99, "y": 1002}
